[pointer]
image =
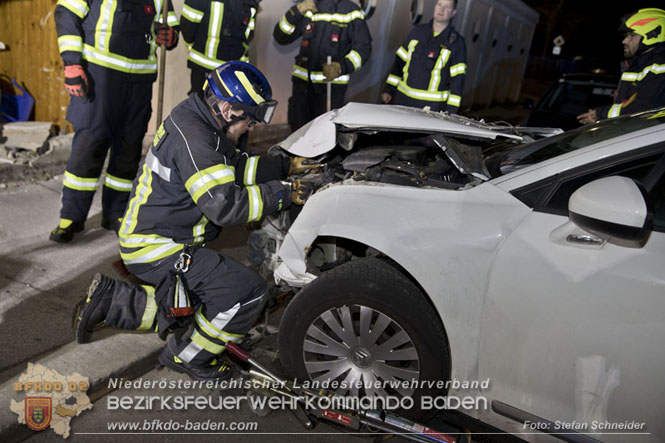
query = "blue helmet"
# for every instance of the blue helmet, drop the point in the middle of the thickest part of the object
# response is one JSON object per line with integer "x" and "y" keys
{"x": 244, "y": 87}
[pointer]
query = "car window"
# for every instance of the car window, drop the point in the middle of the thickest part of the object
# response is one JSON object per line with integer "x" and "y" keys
{"x": 575, "y": 98}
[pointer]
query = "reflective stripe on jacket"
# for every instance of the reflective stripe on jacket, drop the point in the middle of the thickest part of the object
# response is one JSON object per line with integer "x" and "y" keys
{"x": 115, "y": 34}
{"x": 217, "y": 31}
{"x": 338, "y": 29}
{"x": 642, "y": 85}
{"x": 430, "y": 69}
{"x": 192, "y": 182}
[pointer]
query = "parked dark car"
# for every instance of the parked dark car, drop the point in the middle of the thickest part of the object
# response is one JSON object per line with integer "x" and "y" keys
{"x": 574, "y": 94}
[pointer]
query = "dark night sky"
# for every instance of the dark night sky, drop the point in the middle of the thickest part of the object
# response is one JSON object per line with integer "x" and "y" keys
{"x": 588, "y": 26}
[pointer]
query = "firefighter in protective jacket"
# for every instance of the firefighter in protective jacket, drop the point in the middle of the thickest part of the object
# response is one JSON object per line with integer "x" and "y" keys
{"x": 430, "y": 66}
{"x": 108, "y": 49}
{"x": 193, "y": 182}
{"x": 216, "y": 32}
{"x": 642, "y": 84}
{"x": 334, "y": 28}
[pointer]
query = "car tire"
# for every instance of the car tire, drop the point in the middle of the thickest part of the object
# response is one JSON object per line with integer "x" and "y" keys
{"x": 366, "y": 295}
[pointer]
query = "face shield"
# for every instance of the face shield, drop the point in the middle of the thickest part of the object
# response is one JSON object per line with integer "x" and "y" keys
{"x": 262, "y": 112}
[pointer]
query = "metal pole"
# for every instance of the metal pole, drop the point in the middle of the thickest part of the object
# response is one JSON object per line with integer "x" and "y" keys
{"x": 328, "y": 88}
{"x": 162, "y": 67}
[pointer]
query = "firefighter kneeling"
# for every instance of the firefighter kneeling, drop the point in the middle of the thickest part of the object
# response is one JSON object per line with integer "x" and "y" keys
{"x": 193, "y": 182}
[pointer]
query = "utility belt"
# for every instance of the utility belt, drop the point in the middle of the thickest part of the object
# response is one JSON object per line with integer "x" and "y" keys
{"x": 172, "y": 297}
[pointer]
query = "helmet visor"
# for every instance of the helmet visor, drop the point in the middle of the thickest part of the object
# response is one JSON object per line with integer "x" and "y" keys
{"x": 262, "y": 112}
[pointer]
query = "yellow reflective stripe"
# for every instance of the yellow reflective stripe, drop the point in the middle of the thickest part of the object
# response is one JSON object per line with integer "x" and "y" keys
{"x": 150, "y": 310}
{"x": 215, "y": 328}
{"x": 393, "y": 80}
{"x": 143, "y": 190}
{"x": 251, "y": 166}
{"x": 80, "y": 183}
{"x": 251, "y": 24}
{"x": 255, "y": 203}
{"x": 355, "y": 59}
{"x": 454, "y": 100}
{"x": 285, "y": 26}
{"x": 458, "y": 69}
{"x": 78, "y": 7}
{"x": 405, "y": 69}
{"x": 151, "y": 253}
{"x": 142, "y": 240}
{"x": 172, "y": 19}
{"x": 244, "y": 58}
{"x": 639, "y": 76}
{"x": 199, "y": 229}
{"x": 401, "y": 53}
{"x": 118, "y": 62}
{"x": 70, "y": 43}
{"x": 614, "y": 111}
{"x": 203, "y": 60}
{"x": 214, "y": 27}
{"x": 104, "y": 26}
{"x": 435, "y": 77}
{"x": 193, "y": 15}
{"x": 206, "y": 344}
{"x": 202, "y": 181}
{"x": 341, "y": 18}
{"x": 117, "y": 183}
{"x": 249, "y": 88}
{"x": 421, "y": 94}
{"x": 317, "y": 76}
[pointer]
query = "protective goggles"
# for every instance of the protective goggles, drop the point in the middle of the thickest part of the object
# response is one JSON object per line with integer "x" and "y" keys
{"x": 262, "y": 112}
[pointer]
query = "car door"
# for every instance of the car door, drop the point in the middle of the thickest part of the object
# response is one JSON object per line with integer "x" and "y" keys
{"x": 573, "y": 331}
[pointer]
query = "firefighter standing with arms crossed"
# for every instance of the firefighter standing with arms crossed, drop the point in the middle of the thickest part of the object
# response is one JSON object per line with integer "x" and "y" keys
{"x": 108, "y": 49}
{"x": 216, "y": 32}
{"x": 329, "y": 28}
{"x": 193, "y": 182}
{"x": 430, "y": 66}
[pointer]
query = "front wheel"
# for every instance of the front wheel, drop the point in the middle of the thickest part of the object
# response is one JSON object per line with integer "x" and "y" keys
{"x": 368, "y": 328}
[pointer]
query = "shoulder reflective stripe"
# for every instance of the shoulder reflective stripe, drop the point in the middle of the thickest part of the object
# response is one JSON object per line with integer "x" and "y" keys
{"x": 250, "y": 170}
{"x": 317, "y": 76}
{"x": 200, "y": 229}
{"x": 70, "y": 43}
{"x": 119, "y": 62}
{"x": 80, "y": 183}
{"x": 143, "y": 190}
{"x": 614, "y": 111}
{"x": 393, "y": 80}
{"x": 203, "y": 60}
{"x": 355, "y": 59}
{"x": 214, "y": 28}
{"x": 104, "y": 27}
{"x": 402, "y": 53}
{"x": 151, "y": 253}
{"x": 117, "y": 183}
{"x": 341, "y": 18}
{"x": 435, "y": 77}
{"x": 639, "y": 76}
{"x": 420, "y": 94}
{"x": 78, "y": 7}
{"x": 285, "y": 26}
{"x": 155, "y": 166}
{"x": 458, "y": 69}
{"x": 150, "y": 310}
{"x": 199, "y": 183}
{"x": 454, "y": 100}
{"x": 255, "y": 203}
{"x": 193, "y": 15}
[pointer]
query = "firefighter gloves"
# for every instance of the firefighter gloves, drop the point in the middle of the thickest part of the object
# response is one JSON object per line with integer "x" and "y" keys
{"x": 307, "y": 6}
{"x": 76, "y": 82}
{"x": 332, "y": 71}
{"x": 301, "y": 164}
{"x": 166, "y": 35}
{"x": 300, "y": 191}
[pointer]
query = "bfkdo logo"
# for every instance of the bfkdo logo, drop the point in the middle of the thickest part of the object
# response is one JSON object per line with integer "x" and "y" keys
{"x": 38, "y": 412}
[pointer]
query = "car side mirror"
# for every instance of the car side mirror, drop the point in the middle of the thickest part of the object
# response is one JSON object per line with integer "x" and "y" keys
{"x": 612, "y": 206}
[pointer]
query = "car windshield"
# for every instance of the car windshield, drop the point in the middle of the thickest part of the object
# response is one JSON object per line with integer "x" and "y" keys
{"x": 504, "y": 158}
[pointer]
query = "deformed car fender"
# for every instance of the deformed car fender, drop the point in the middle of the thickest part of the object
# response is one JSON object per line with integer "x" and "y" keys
{"x": 445, "y": 239}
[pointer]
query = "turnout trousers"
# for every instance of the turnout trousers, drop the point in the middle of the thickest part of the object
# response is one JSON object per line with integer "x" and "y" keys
{"x": 309, "y": 100}
{"x": 227, "y": 296}
{"x": 115, "y": 116}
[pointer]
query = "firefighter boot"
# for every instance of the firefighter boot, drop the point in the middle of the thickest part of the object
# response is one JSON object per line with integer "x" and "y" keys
{"x": 92, "y": 309}
{"x": 216, "y": 369}
{"x": 64, "y": 232}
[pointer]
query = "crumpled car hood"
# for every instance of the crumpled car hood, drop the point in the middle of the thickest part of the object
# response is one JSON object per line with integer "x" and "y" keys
{"x": 322, "y": 134}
